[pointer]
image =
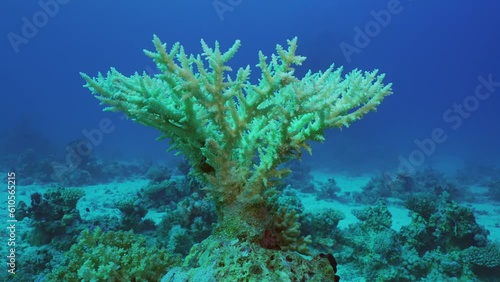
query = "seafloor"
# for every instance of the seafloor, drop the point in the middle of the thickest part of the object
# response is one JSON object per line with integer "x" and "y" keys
{"x": 383, "y": 226}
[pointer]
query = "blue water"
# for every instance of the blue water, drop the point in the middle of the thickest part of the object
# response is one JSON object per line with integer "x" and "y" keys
{"x": 433, "y": 53}
{"x": 443, "y": 58}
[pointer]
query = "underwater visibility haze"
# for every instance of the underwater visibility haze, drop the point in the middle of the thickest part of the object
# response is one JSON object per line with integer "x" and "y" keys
{"x": 235, "y": 140}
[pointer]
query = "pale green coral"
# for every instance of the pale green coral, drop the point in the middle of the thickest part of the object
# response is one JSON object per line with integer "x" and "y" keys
{"x": 113, "y": 256}
{"x": 234, "y": 133}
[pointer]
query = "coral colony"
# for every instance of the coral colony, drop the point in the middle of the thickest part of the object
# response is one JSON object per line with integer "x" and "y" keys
{"x": 226, "y": 211}
{"x": 236, "y": 135}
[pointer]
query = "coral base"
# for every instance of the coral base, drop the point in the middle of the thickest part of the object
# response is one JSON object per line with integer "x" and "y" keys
{"x": 222, "y": 259}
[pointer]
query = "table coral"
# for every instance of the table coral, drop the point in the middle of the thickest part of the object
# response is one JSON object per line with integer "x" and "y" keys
{"x": 236, "y": 134}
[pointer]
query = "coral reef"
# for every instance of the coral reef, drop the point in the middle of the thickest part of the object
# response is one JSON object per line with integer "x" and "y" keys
{"x": 322, "y": 227}
{"x": 234, "y": 134}
{"x": 189, "y": 222}
{"x": 474, "y": 173}
{"x": 47, "y": 169}
{"x": 425, "y": 205}
{"x": 371, "y": 245}
{"x": 328, "y": 190}
{"x": 442, "y": 243}
{"x": 94, "y": 171}
{"x": 282, "y": 231}
{"x": 494, "y": 190}
{"x": 113, "y": 256}
{"x": 402, "y": 185}
{"x": 220, "y": 259}
{"x": 133, "y": 212}
{"x": 164, "y": 193}
{"x": 53, "y": 216}
{"x": 376, "y": 217}
{"x": 300, "y": 177}
{"x": 450, "y": 227}
{"x": 35, "y": 167}
{"x": 484, "y": 261}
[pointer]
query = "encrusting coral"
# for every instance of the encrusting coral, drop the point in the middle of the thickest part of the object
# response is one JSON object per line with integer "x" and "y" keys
{"x": 235, "y": 134}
